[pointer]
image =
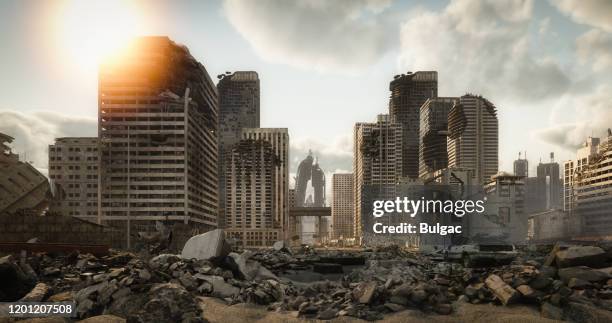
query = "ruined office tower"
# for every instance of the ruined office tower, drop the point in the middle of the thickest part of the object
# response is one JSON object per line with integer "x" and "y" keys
{"x": 251, "y": 171}
{"x": 22, "y": 187}
{"x": 521, "y": 166}
{"x": 309, "y": 170}
{"x": 278, "y": 138}
{"x": 473, "y": 134}
{"x": 238, "y": 109}
{"x": 158, "y": 138}
{"x": 408, "y": 93}
{"x": 377, "y": 168}
{"x": 432, "y": 135}
{"x": 73, "y": 172}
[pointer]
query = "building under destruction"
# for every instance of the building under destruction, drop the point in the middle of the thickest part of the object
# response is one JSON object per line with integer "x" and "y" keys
{"x": 377, "y": 168}
{"x": 433, "y": 132}
{"x": 251, "y": 172}
{"x": 408, "y": 93}
{"x": 278, "y": 138}
{"x": 591, "y": 193}
{"x": 238, "y": 109}
{"x": 158, "y": 138}
{"x": 22, "y": 187}
{"x": 310, "y": 171}
{"x": 473, "y": 133}
{"x": 73, "y": 172}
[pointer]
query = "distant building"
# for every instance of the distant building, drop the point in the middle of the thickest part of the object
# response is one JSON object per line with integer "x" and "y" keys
{"x": 279, "y": 142}
{"x": 433, "y": 153}
{"x": 238, "y": 108}
{"x": 158, "y": 120}
{"x": 73, "y": 171}
{"x": 342, "y": 207}
{"x": 377, "y": 167}
{"x": 310, "y": 171}
{"x": 408, "y": 93}
{"x": 22, "y": 187}
{"x": 521, "y": 166}
{"x": 473, "y": 137}
{"x": 549, "y": 173}
{"x": 548, "y": 226}
{"x": 504, "y": 218}
{"x": 251, "y": 172}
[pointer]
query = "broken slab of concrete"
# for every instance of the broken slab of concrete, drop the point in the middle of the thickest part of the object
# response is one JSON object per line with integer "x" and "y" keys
{"x": 580, "y": 256}
{"x": 36, "y": 294}
{"x": 250, "y": 269}
{"x": 582, "y": 272}
{"x": 504, "y": 292}
{"x": 206, "y": 246}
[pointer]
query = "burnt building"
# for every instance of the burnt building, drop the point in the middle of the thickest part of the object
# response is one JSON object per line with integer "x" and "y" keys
{"x": 158, "y": 120}
{"x": 408, "y": 93}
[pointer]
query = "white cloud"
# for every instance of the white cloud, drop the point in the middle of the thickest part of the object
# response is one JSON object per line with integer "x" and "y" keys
{"x": 482, "y": 47}
{"x": 597, "y": 13}
{"x": 34, "y": 132}
{"x": 595, "y": 47}
{"x": 341, "y": 35}
{"x": 577, "y": 116}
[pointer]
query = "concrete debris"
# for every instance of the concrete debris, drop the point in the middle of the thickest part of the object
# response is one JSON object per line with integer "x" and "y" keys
{"x": 309, "y": 283}
{"x": 580, "y": 256}
{"x": 206, "y": 246}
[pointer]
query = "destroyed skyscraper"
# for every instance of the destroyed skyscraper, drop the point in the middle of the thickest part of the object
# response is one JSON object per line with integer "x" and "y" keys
{"x": 73, "y": 171}
{"x": 238, "y": 108}
{"x": 377, "y": 167}
{"x": 158, "y": 138}
{"x": 433, "y": 155}
{"x": 251, "y": 172}
{"x": 473, "y": 133}
{"x": 342, "y": 206}
{"x": 278, "y": 138}
{"x": 408, "y": 93}
{"x": 310, "y": 171}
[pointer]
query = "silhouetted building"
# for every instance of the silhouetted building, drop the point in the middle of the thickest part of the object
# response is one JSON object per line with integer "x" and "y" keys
{"x": 521, "y": 166}
{"x": 158, "y": 120}
{"x": 310, "y": 171}
{"x": 408, "y": 93}
{"x": 473, "y": 137}
{"x": 238, "y": 109}
{"x": 251, "y": 172}
{"x": 549, "y": 174}
{"x": 433, "y": 153}
{"x": 73, "y": 171}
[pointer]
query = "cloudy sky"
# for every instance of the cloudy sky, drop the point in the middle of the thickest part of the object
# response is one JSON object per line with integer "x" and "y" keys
{"x": 324, "y": 65}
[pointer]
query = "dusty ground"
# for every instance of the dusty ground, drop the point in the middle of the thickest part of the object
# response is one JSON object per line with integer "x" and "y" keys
{"x": 217, "y": 312}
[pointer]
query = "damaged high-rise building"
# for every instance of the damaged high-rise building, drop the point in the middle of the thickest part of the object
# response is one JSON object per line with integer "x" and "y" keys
{"x": 238, "y": 109}
{"x": 408, "y": 93}
{"x": 342, "y": 206}
{"x": 433, "y": 155}
{"x": 473, "y": 136}
{"x": 251, "y": 170}
{"x": 158, "y": 138}
{"x": 310, "y": 171}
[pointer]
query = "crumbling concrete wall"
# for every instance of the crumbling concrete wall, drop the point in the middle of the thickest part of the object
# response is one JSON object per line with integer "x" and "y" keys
{"x": 55, "y": 228}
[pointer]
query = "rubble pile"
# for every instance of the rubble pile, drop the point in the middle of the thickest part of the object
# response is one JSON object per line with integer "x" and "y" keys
{"x": 572, "y": 282}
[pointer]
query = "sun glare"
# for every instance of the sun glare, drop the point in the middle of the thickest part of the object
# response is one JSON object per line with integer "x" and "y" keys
{"x": 93, "y": 30}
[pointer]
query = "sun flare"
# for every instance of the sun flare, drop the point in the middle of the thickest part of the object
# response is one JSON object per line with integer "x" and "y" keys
{"x": 92, "y": 30}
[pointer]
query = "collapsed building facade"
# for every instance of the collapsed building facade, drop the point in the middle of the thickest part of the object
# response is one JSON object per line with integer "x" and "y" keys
{"x": 158, "y": 138}
{"x": 22, "y": 187}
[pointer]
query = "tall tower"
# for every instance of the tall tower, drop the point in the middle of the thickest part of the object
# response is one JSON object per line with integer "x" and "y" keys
{"x": 342, "y": 206}
{"x": 157, "y": 126}
{"x": 432, "y": 135}
{"x": 377, "y": 165}
{"x": 521, "y": 166}
{"x": 238, "y": 109}
{"x": 249, "y": 209}
{"x": 279, "y": 142}
{"x": 408, "y": 93}
{"x": 473, "y": 137}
